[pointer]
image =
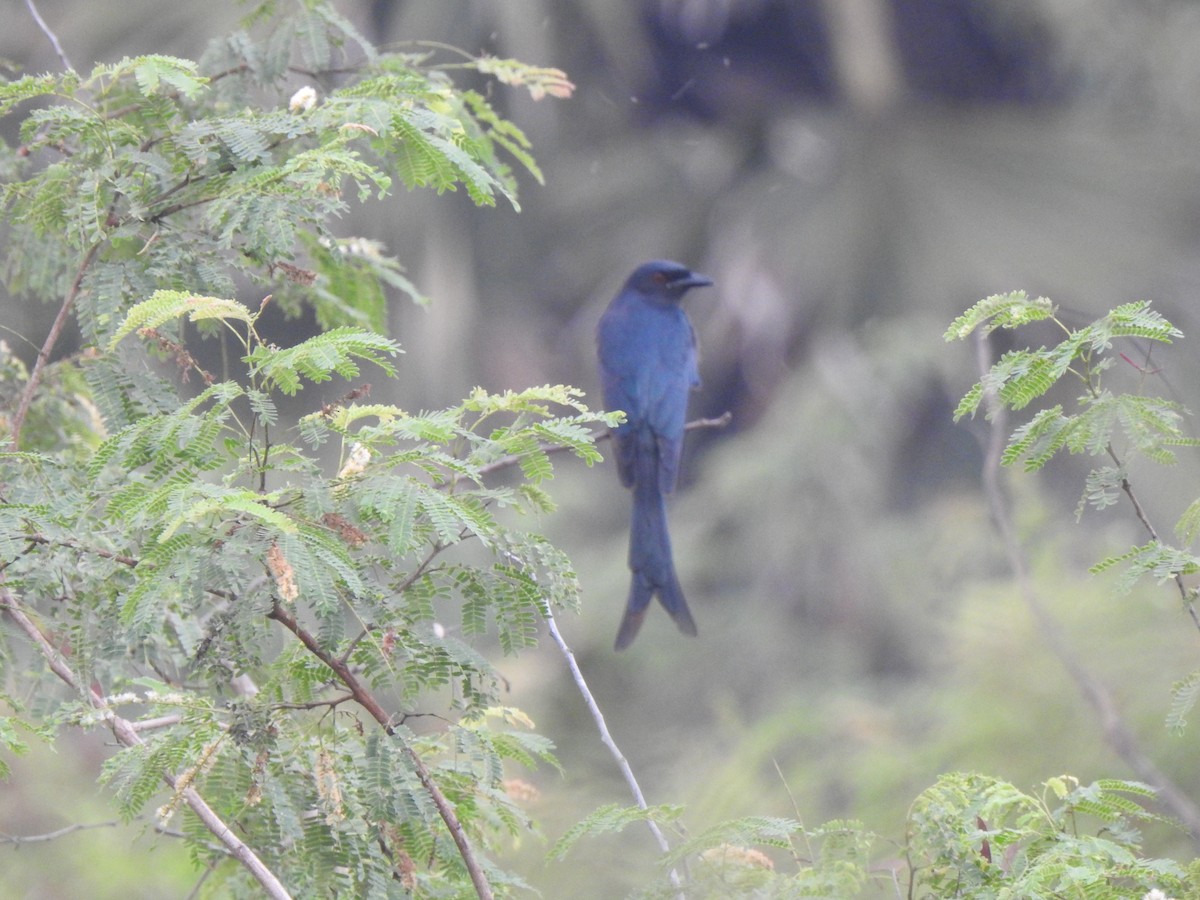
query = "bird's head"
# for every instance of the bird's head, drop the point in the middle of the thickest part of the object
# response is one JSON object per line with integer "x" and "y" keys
{"x": 665, "y": 280}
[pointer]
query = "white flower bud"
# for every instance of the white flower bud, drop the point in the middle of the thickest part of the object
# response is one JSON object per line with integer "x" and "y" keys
{"x": 303, "y": 100}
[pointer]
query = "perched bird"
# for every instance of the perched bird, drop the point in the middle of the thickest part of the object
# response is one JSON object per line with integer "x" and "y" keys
{"x": 647, "y": 353}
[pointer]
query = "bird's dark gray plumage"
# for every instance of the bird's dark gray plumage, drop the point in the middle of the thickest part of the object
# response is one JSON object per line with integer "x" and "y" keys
{"x": 647, "y": 351}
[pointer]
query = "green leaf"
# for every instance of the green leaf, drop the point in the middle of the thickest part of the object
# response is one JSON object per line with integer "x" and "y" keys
{"x": 968, "y": 405}
{"x": 1021, "y": 376}
{"x": 224, "y": 502}
{"x": 180, "y": 74}
{"x": 1188, "y": 526}
{"x": 263, "y": 406}
{"x": 1133, "y": 320}
{"x": 769, "y": 831}
{"x": 28, "y": 87}
{"x": 999, "y": 311}
{"x": 1038, "y": 439}
{"x": 1184, "y": 694}
{"x": 1102, "y": 489}
{"x": 163, "y": 306}
{"x": 1154, "y": 559}
{"x": 321, "y": 357}
{"x": 611, "y": 819}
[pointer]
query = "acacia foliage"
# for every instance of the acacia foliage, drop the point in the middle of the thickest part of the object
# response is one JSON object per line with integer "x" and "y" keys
{"x": 1116, "y": 426}
{"x": 276, "y": 600}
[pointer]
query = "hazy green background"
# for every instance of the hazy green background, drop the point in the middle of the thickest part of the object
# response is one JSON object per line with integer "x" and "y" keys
{"x": 852, "y": 173}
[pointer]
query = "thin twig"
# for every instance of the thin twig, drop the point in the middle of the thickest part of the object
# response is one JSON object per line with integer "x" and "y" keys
{"x": 126, "y": 734}
{"x": 43, "y": 357}
{"x": 506, "y": 462}
{"x": 208, "y": 870}
{"x": 1140, "y": 512}
{"x": 607, "y": 738}
{"x": 74, "y": 545}
{"x": 315, "y": 704}
{"x": 581, "y": 683}
{"x": 1116, "y": 732}
{"x": 160, "y": 722}
{"x": 50, "y": 35}
{"x": 18, "y": 839}
{"x": 800, "y": 863}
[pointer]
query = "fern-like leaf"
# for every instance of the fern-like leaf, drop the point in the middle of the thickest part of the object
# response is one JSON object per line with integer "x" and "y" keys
{"x": 1102, "y": 489}
{"x": 1154, "y": 559}
{"x": 748, "y": 831}
{"x": 321, "y": 357}
{"x": 225, "y": 502}
{"x": 999, "y": 311}
{"x": 180, "y": 74}
{"x": 163, "y": 306}
{"x": 1133, "y": 320}
{"x": 611, "y": 819}
{"x": 1184, "y": 694}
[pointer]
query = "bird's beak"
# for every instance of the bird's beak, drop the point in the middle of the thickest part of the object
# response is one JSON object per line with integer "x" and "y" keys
{"x": 694, "y": 279}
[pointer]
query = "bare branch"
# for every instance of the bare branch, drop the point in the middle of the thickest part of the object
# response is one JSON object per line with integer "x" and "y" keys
{"x": 19, "y": 839}
{"x": 50, "y": 36}
{"x": 127, "y": 735}
{"x": 160, "y": 722}
{"x": 315, "y": 704}
{"x": 607, "y": 739}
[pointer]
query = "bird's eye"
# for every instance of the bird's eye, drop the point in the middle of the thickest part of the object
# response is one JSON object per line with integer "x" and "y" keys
{"x": 660, "y": 278}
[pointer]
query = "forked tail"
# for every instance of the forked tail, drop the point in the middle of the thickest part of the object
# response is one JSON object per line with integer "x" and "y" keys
{"x": 651, "y": 563}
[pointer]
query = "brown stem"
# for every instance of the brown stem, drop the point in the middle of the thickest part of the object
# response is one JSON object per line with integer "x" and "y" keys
{"x": 60, "y": 322}
{"x": 97, "y": 551}
{"x": 1153, "y": 532}
{"x": 314, "y": 704}
{"x": 367, "y": 701}
{"x": 127, "y": 735}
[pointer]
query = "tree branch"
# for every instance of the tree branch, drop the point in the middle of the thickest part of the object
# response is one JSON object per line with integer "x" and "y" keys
{"x": 43, "y": 357}
{"x": 160, "y": 722}
{"x": 18, "y": 839}
{"x": 367, "y": 701}
{"x": 1118, "y": 735}
{"x": 506, "y": 462}
{"x": 50, "y": 35}
{"x": 97, "y": 551}
{"x": 127, "y": 735}
{"x": 607, "y": 739}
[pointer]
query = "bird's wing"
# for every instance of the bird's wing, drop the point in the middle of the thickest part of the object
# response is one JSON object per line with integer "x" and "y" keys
{"x": 619, "y": 393}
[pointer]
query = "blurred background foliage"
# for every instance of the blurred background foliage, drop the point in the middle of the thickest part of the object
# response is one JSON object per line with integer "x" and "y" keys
{"x": 853, "y": 174}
